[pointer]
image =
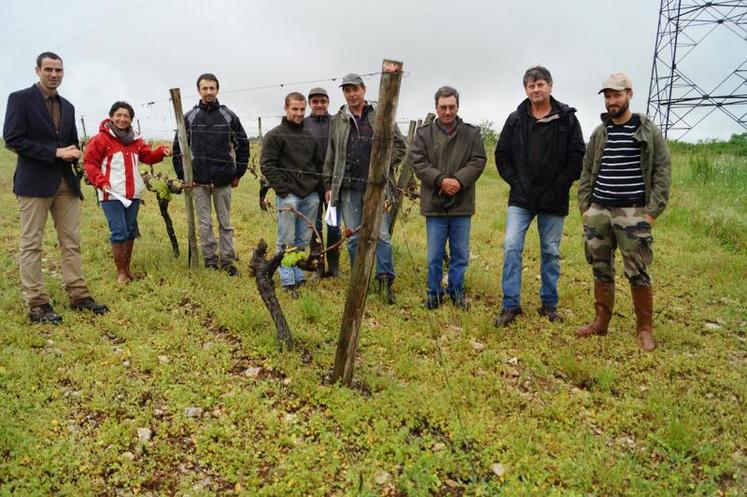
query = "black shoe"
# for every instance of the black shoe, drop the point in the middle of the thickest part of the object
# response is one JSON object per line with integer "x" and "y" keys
{"x": 550, "y": 313}
{"x": 292, "y": 290}
{"x": 433, "y": 303}
{"x": 230, "y": 269}
{"x": 507, "y": 316}
{"x": 44, "y": 314}
{"x": 211, "y": 266}
{"x": 460, "y": 301}
{"x": 385, "y": 288}
{"x": 88, "y": 304}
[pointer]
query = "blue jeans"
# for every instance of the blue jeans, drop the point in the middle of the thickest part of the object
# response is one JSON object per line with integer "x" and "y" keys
{"x": 550, "y": 231}
{"x": 294, "y": 231}
{"x": 456, "y": 229}
{"x": 351, "y": 207}
{"x": 122, "y": 220}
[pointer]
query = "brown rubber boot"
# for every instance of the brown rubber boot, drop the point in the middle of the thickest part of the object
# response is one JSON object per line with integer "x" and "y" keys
{"x": 129, "y": 245}
{"x": 604, "y": 295}
{"x": 119, "y": 253}
{"x": 643, "y": 302}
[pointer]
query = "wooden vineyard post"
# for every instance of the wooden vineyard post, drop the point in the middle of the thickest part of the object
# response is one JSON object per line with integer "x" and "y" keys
{"x": 189, "y": 200}
{"x": 405, "y": 175}
{"x": 259, "y": 125}
{"x": 373, "y": 205}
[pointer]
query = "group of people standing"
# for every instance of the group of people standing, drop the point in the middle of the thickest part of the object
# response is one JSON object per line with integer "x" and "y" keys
{"x": 321, "y": 162}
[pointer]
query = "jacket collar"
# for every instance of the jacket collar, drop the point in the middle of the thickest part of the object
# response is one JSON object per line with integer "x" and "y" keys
{"x": 291, "y": 124}
{"x": 208, "y": 107}
{"x": 562, "y": 109}
{"x": 449, "y": 132}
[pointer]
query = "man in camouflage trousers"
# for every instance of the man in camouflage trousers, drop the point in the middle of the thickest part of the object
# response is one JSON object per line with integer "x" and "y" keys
{"x": 624, "y": 186}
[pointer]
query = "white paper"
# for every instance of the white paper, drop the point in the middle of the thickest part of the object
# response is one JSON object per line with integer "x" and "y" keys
{"x": 125, "y": 201}
{"x": 331, "y": 217}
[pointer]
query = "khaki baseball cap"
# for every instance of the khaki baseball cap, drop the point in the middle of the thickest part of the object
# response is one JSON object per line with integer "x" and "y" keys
{"x": 318, "y": 91}
{"x": 617, "y": 81}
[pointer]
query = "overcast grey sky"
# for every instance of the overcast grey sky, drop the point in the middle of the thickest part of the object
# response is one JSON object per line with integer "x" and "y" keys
{"x": 137, "y": 50}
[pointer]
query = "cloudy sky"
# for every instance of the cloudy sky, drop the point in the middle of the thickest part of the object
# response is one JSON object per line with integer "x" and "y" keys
{"x": 137, "y": 50}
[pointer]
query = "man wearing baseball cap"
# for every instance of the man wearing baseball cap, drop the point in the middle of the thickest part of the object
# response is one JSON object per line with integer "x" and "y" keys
{"x": 624, "y": 186}
{"x": 346, "y": 173}
{"x": 318, "y": 124}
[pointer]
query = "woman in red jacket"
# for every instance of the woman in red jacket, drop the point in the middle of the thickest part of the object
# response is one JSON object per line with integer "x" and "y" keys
{"x": 111, "y": 162}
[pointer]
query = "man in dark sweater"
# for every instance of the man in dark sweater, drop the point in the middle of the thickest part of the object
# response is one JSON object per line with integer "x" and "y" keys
{"x": 293, "y": 168}
{"x": 220, "y": 154}
{"x": 318, "y": 123}
{"x": 539, "y": 155}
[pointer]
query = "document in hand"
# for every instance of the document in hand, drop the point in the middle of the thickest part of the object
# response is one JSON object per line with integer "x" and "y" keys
{"x": 331, "y": 217}
{"x": 125, "y": 201}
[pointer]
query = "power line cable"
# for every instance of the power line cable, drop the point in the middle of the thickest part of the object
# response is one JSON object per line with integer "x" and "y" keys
{"x": 14, "y": 19}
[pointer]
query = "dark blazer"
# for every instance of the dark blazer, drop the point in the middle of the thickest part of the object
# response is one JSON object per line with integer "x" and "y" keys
{"x": 29, "y": 132}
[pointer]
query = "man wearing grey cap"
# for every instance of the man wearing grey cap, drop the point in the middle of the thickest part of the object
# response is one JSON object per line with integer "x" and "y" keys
{"x": 318, "y": 124}
{"x": 624, "y": 186}
{"x": 346, "y": 173}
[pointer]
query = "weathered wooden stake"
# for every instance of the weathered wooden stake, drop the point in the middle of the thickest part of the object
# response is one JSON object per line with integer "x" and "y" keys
{"x": 405, "y": 175}
{"x": 83, "y": 125}
{"x": 259, "y": 124}
{"x": 189, "y": 200}
{"x": 391, "y": 79}
{"x": 138, "y": 126}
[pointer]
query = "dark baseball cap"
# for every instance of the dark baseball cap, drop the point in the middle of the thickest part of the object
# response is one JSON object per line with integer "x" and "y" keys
{"x": 352, "y": 79}
{"x": 318, "y": 91}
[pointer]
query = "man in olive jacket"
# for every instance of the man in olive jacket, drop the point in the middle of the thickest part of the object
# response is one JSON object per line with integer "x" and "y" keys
{"x": 346, "y": 173}
{"x": 448, "y": 156}
{"x": 291, "y": 163}
{"x": 627, "y": 172}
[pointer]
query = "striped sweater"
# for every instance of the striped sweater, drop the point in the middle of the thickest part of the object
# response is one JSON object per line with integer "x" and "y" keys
{"x": 620, "y": 181}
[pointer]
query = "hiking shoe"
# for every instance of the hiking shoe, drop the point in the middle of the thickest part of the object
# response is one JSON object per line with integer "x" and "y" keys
{"x": 292, "y": 290}
{"x": 88, "y": 304}
{"x": 433, "y": 302}
{"x": 211, "y": 266}
{"x": 230, "y": 269}
{"x": 460, "y": 301}
{"x": 507, "y": 316}
{"x": 44, "y": 314}
{"x": 551, "y": 314}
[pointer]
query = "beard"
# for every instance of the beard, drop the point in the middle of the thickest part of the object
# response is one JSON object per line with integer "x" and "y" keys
{"x": 620, "y": 112}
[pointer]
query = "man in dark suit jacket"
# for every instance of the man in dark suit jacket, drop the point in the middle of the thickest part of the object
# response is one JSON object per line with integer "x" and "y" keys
{"x": 40, "y": 128}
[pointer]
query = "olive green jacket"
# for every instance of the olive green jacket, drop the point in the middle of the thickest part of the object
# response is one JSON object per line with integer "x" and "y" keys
{"x": 436, "y": 156}
{"x": 334, "y": 163}
{"x": 656, "y": 165}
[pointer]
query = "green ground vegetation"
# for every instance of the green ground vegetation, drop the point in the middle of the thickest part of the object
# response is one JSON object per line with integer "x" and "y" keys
{"x": 444, "y": 403}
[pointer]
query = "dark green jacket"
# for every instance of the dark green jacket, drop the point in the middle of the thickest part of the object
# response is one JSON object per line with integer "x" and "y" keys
{"x": 290, "y": 161}
{"x": 656, "y": 165}
{"x": 334, "y": 163}
{"x": 436, "y": 156}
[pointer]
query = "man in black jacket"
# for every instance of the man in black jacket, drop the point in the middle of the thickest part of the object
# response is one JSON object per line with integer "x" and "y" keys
{"x": 220, "y": 155}
{"x": 539, "y": 154}
{"x": 293, "y": 168}
{"x": 40, "y": 128}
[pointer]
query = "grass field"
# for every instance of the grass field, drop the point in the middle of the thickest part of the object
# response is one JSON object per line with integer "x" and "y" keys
{"x": 442, "y": 397}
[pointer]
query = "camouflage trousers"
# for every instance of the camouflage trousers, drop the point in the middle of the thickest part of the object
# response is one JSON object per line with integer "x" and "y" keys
{"x": 605, "y": 229}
